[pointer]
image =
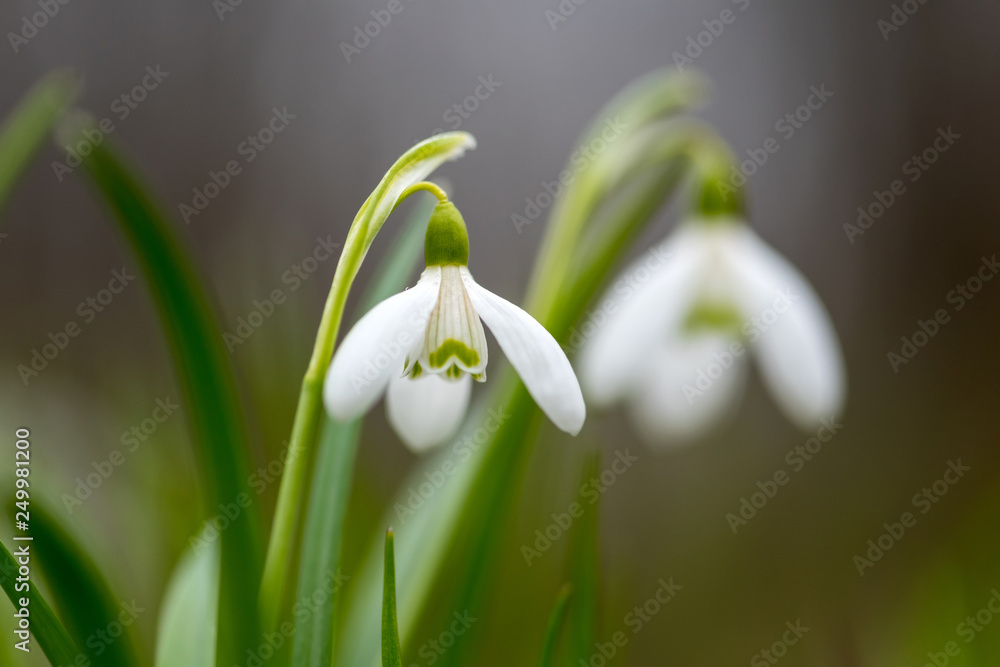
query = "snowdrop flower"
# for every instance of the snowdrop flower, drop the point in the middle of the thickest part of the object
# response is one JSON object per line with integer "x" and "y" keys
{"x": 675, "y": 347}
{"x": 424, "y": 346}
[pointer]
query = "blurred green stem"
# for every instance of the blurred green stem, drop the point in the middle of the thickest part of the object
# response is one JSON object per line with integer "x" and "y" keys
{"x": 25, "y": 128}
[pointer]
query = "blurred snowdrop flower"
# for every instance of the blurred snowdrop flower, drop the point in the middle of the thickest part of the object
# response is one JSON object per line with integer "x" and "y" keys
{"x": 424, "y": 346}
{"x": 675, "y": 349}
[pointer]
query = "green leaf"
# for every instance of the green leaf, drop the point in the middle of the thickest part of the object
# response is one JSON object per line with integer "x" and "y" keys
{"x": 391, "y": 656}
{"x": 411, "y": 168}
{"x": 555, "y": 625}
{"x": 584, "y": 573}
{"x": 26, "y": 127}
{"x": 322, "y": 537}
{"x": 56, "y": 643}
{"x": 189, "y": 613}
{"x": 207, "y": 384}
{"x": 79, "y": 591}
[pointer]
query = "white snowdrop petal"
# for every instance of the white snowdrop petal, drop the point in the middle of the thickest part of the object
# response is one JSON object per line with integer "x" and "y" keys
{"x": 692, "y": 385}
{"x": 644, "y": 305}
{"x": 376, "y": 348}
{"x": 797, "y": 349}
{"x": 534, "y": 354}
{"x": 428, "y": 410}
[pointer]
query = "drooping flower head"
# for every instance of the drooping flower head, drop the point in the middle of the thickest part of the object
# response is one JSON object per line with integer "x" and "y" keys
{"x": 675, "y": 350}
{"x": 426, "y": 345}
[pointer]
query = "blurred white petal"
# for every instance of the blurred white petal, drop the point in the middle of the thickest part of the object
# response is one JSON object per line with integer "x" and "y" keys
{"x": 692, "y": 385}
{"x": 534, "y": 354}
{"x": 791, "y": 332}
{"x": 428, "y": 410}
{"x": 647, "y": 303}
{"x": 376, "y": 348}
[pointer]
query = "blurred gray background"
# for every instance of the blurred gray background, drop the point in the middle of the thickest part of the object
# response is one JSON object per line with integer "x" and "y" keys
{"x": 352, "y": 119}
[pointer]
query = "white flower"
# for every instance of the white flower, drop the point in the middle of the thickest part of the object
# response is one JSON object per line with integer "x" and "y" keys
{"x": 426, "y": 343}
{"x": 674, "y": 347}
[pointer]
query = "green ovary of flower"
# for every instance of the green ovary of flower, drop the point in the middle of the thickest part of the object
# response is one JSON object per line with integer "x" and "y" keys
{"x": 447, "y": 239}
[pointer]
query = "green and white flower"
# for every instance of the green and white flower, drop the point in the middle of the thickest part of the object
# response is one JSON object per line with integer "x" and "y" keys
{"x": 675, "y": 351}
{"x": 425, "y": 345}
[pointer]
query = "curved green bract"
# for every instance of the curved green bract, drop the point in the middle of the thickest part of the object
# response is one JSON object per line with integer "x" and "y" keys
{"x": 447, "y": 239}
{"x": 207, "y": 384}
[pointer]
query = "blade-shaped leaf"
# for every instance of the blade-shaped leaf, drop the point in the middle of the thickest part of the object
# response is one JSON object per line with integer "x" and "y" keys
{"x": 584, "y": 576}
{"x": 207, "y": 383}
{"x": 56, "y": 643}
{"x": 25, "y": 128}
{"x": 187, "y": 629}
{"x": 79, "y": 590}
{"x": 323, "y": 531}
{"x": 555, "y": 626}
{"x": 391, "y": 656}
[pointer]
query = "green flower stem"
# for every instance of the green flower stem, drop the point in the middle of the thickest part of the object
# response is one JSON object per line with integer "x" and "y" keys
{"x": 426, "y": 186}
{"x": 415, "y": 164}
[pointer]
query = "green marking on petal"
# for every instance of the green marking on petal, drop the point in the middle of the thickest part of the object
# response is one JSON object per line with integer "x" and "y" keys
{"x": 713, "y": 317}
{"x": 453, "y": 348}
{"x": 416, "y": 371}
{"x": 447, "y": 239}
